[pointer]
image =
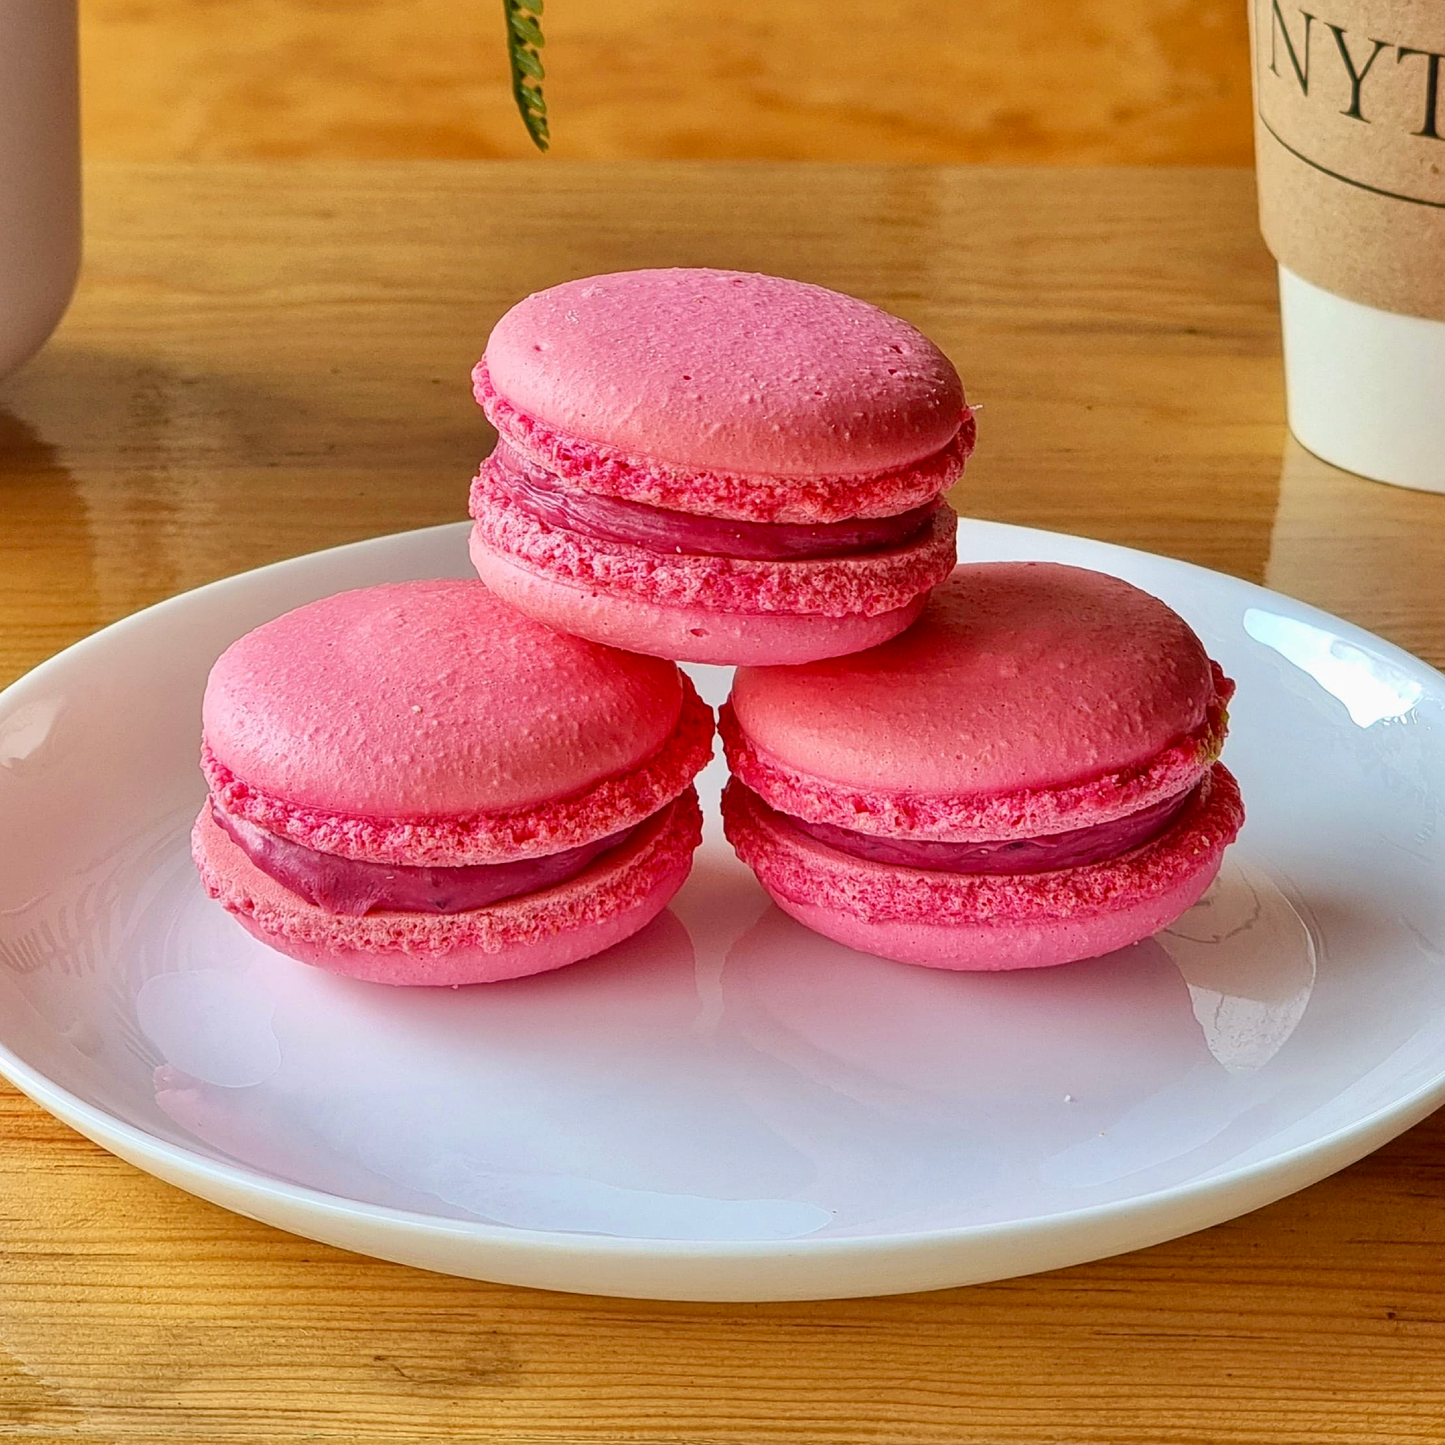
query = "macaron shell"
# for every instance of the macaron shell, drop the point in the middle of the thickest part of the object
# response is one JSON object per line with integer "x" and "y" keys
{"x": 1017, "y": 676}
{"x": 424, "y": 700}
{"x": 467, "y": 964}
{"x": 613, "y": 899}
{"x": 1034, "y": 919}
{"x": 969, "y": 818}
{"x": 870, "y": 584}
{"x": 727, "y": 371}
{"x": 609, "y": 806}
{"x": 1000, "y": 947}
{"x": 683, "y": 633}
{"x": 752, "y": 497}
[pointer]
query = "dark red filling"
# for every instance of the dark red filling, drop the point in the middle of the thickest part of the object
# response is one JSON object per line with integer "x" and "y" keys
{"x": 607, "y": 519}
{"x": 1073, "y": 849}
{"x": 352, "y": 887}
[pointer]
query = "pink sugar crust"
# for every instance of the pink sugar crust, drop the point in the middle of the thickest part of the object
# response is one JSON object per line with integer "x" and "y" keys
{"x": 1029, "y": 698}
{"x": 747, "y": 498}
{"x": 613, "y": 899}
{"x": 727, "y": 371}
{"x": 606, "y": 807}
{"x": 685, "y": 634}
{"x": 794, "y": 866}
{"x": 867, "y": 585}
{"x": 425, "y": 700}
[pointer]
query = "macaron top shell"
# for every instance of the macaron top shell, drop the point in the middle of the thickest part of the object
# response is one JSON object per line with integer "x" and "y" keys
{"x": 725, "y": 371}
{"x": 425, "y": 700}
{"x": 1049, "y": 689}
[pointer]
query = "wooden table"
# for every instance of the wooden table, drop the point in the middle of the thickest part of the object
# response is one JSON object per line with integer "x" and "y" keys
{"x": 1008, "y": 81}
{"x": 265, "y": 361}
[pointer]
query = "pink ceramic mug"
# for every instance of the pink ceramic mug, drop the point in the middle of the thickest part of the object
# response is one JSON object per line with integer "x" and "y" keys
{"x": 39, "y": 172}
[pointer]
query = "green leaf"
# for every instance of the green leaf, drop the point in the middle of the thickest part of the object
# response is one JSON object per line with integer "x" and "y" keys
{"x": 524, "y": 39}
{"x": 525, "y": 29}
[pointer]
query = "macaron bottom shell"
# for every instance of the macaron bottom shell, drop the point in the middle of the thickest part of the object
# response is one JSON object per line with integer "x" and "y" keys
{"x": 1001, "y": 947}
{"x": 685, "y": 634}
{"x": 1019, "y": 921}
{"x": 614, "y": 898}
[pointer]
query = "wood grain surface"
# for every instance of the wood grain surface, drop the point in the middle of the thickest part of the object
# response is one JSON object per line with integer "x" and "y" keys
{"x": 264, "y": 361}
{"x": 1076, "y": 81}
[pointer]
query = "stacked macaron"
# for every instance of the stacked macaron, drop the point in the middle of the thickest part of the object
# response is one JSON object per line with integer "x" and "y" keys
{"x": 716, "y": 467}
{"x": 415, "y": 784}
{"x": 1000, "y": 766}
{"x": 1027, "y": 776}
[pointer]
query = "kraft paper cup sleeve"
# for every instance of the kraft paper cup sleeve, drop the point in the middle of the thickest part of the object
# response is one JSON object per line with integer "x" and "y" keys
{"x": 1350, "y": 153}
{"x": 1350, "y": 146}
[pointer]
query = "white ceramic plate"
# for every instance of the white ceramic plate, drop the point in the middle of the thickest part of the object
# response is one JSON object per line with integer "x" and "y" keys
{"x": 729, "y": 1107}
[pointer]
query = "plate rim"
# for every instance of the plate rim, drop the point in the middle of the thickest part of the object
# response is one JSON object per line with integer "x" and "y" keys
{"x": 1294, "y": 1168}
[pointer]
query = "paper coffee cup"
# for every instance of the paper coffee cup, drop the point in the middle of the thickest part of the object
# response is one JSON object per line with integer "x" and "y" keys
{"x": 39, "y": 172}
{"x": 1350, "y": 151}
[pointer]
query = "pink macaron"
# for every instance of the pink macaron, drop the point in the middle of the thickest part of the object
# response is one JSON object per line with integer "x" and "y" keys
{"x": 1027, "y": 776}
{"x": 716, "y": 466}
{"x": 415, "y": 784}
